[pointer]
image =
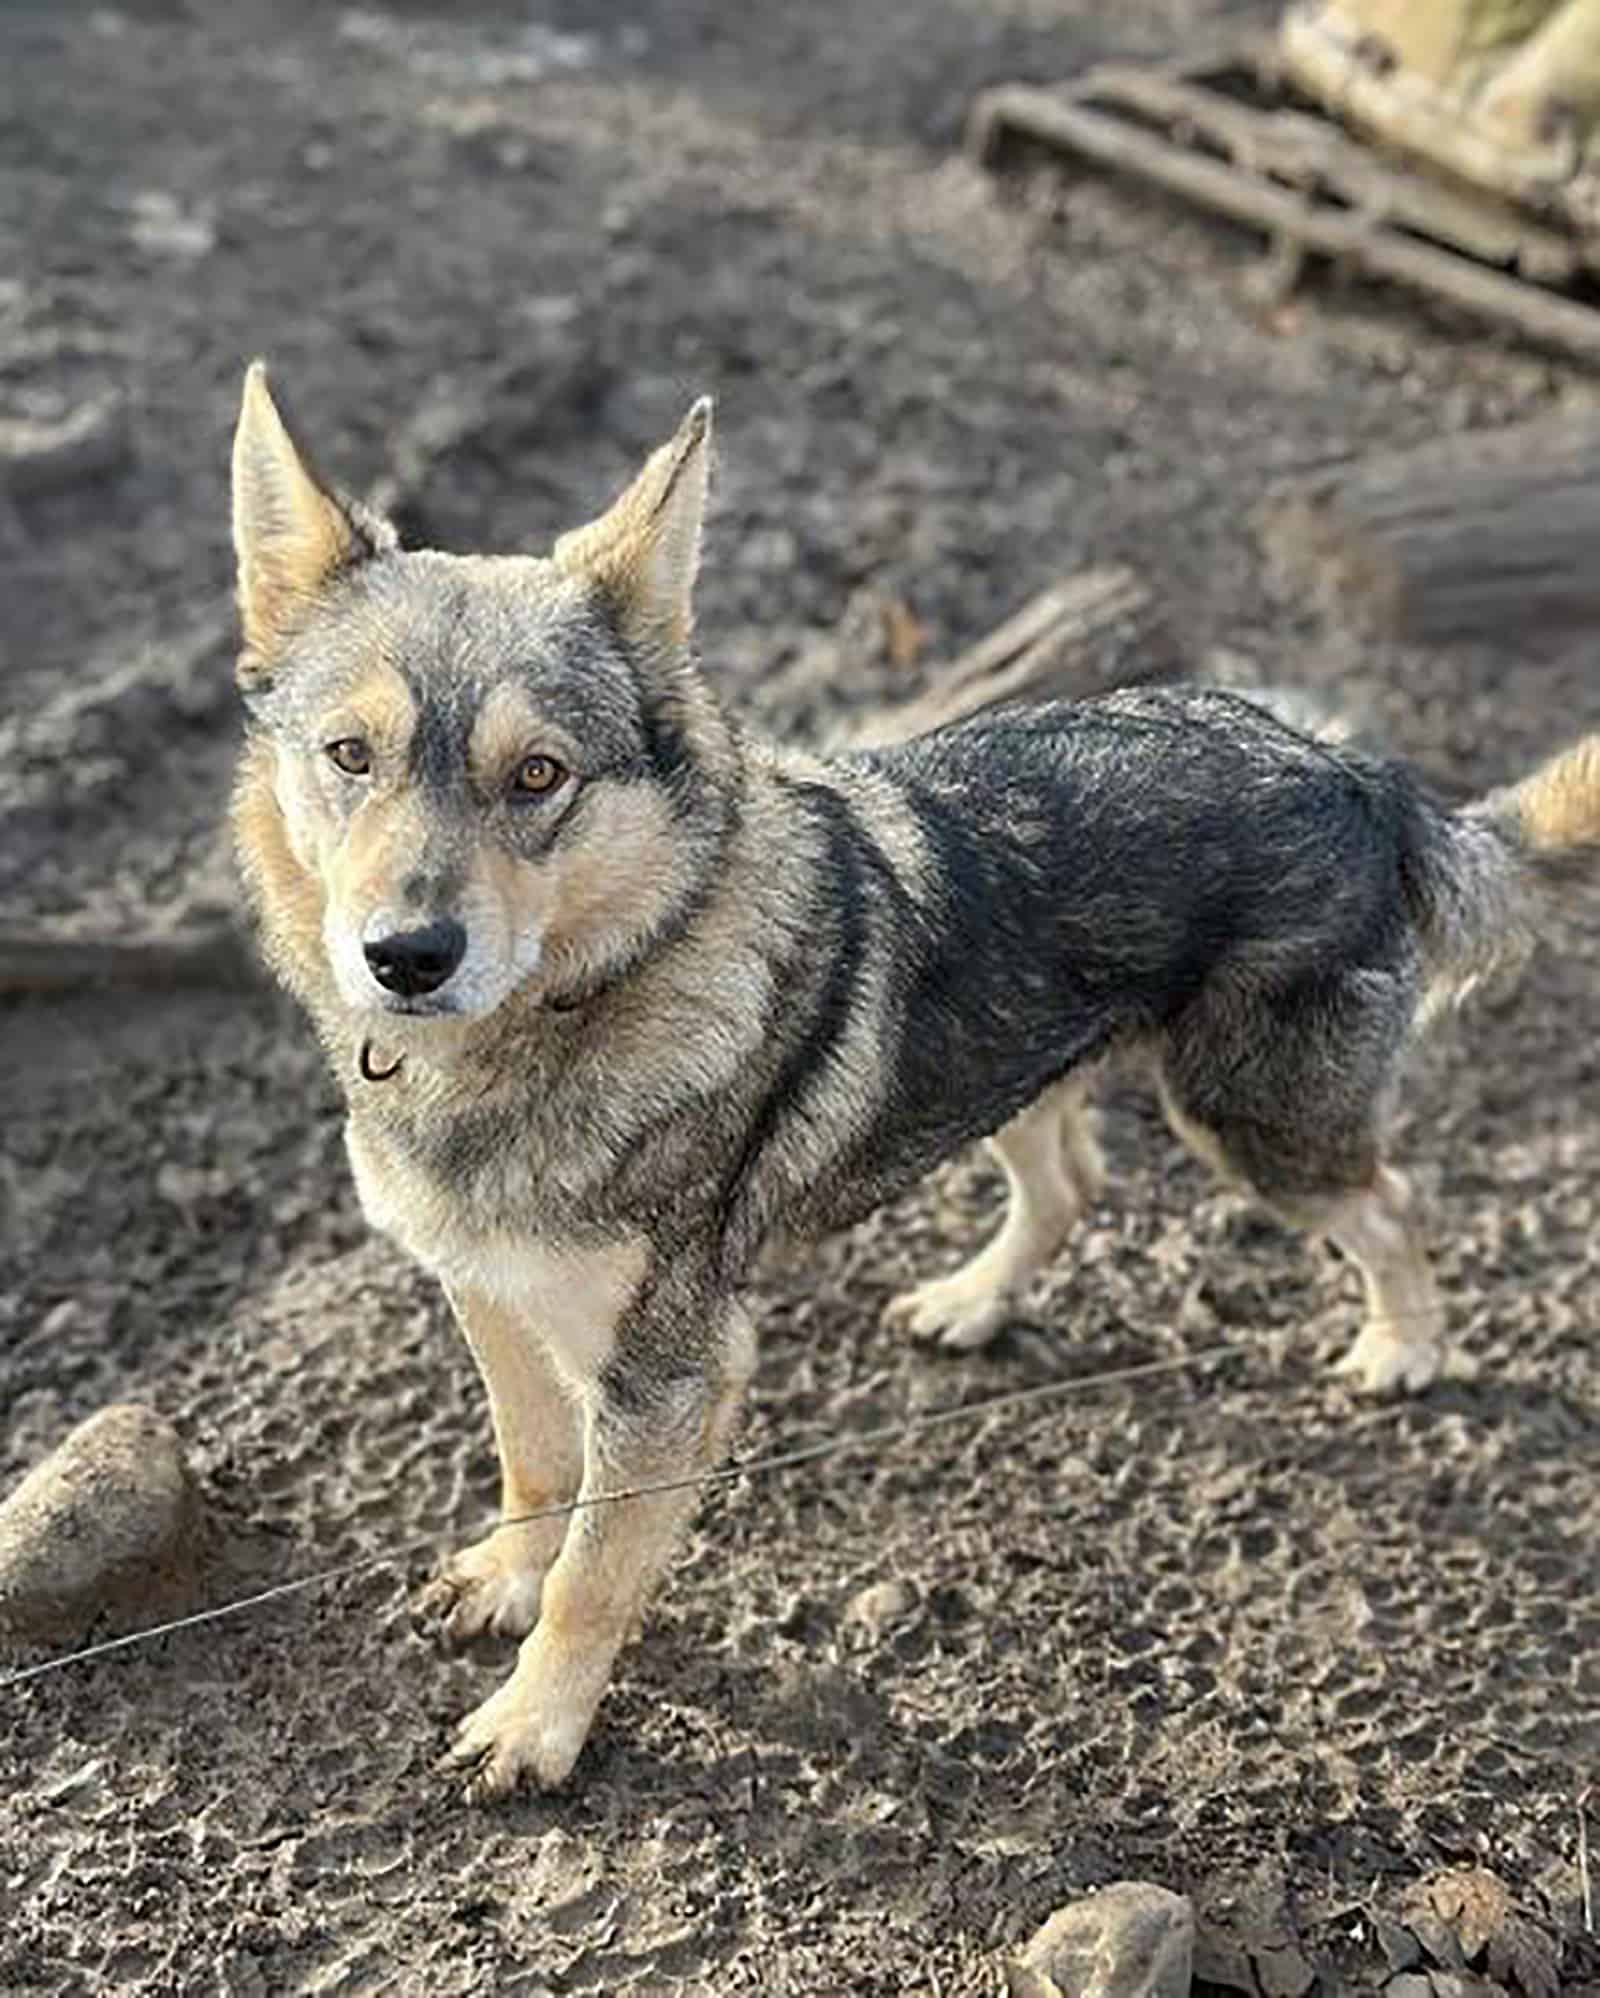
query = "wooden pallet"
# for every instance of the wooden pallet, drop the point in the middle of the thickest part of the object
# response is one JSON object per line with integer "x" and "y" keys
{"x": 1231, "y": 135}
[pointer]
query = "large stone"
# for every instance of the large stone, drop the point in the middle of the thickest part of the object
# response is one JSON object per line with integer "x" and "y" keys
{"x": 106, "y": 1526}
{"x": 1131, "y": 1940}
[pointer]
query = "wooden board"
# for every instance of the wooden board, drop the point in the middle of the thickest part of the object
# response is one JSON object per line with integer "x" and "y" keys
{"x": 1098, "y": 629}
{"x": 1224, "y": 136}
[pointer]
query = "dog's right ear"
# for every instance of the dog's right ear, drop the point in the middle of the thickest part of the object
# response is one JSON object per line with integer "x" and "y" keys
{"x": 644, "y": 550}
{"x": 291, "y": 535}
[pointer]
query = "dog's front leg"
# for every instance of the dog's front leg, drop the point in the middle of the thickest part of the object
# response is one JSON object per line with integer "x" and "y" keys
{"x": 647, "y": 1424}
{"x": 493, "y": 1585}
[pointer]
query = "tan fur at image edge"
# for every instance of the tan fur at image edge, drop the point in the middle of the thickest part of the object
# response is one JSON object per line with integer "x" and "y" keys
{"x": 1557, "y": 809}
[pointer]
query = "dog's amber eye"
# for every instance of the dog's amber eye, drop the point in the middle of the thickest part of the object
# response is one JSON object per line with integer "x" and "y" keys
{"x": 537, "y": 776}
{"x": 351, "y": 755}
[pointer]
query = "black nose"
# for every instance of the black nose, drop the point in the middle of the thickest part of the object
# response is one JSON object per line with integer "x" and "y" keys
{"x": 414, "y": 961}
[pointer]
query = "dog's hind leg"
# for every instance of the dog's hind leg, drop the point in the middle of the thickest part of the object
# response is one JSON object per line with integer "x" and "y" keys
{"x": 1401, "y": 1344}
{"x": 658, "y": 1417}
{"x": 493, "y": 1586}
{"x": 1078, "y": 1128}
{"x": 1053, "y": 1171}
{"x": 1287, "y": 1095}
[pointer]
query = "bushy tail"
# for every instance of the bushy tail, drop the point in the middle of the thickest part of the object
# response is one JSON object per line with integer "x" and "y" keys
{"x": 1476, "y": 878}
{"x": 1554, "y": 815}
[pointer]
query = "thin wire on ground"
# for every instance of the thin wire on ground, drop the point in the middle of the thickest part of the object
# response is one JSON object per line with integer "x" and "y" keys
{"x": 753, "y": 1467}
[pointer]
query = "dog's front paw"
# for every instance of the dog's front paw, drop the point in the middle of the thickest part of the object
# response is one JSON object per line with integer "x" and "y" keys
{"x": 491, "y": 1588}
{"x": 502, "y": 1743}
{"x": 534, "y": 1727}
{"x": 1382, "y": 1362}
{"x": 953, "y": 1312}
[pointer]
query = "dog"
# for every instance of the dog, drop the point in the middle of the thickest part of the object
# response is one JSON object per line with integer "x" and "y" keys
{"x": 618, "y": 990}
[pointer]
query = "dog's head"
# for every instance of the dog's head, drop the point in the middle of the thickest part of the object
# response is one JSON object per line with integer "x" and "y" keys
{"x": 495, "y": 771}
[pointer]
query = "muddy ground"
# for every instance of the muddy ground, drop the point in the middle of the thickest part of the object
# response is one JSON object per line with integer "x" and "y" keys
{"x": 1233, "y": 1631}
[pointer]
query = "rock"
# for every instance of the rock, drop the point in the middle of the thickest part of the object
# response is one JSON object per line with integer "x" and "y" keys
{"x": 1475, "y": 1902}
{"x": 1465, "y": 1915}
{"x": 884, "y": 1603}
{"x": 1438, "y": 1939}
{"x": 1218, "y": 1959}
{"x": 107, "y": 1524}
{"x": 1401, "y": 1950}
{"x": 1131, "y": 1940}
{"x": 239, "y": 1975}
{"x": 1527, "y": 1959}
{"x": 1245, "y": 1937}
{"x": 1282, "y": 1971}
{"x": 1021, "y": 1982}
{"x": 1409, "y": 1984}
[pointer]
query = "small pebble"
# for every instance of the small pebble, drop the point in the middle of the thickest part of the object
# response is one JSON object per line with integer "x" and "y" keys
{"x": 1131, "y": 1940}
{"x": 1401, "y": 1950}
{"x": 884, "y": 1603}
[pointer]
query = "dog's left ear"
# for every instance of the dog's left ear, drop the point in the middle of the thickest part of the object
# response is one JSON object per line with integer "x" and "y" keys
{"x": 291, "y": 535}
{"x": 644, "y": 550}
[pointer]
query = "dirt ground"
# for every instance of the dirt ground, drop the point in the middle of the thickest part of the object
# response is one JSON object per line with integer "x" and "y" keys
{"x": 1233, "y": 1631}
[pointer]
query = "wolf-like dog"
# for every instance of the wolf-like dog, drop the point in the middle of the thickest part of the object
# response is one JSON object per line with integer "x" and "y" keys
{"x": 618, "y": 990}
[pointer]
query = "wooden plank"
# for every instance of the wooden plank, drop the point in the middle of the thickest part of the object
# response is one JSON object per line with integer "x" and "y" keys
{"x": 1359, "y": 241}
{"x": 1099, "y": 629}
{"x": 1308, "y": 151}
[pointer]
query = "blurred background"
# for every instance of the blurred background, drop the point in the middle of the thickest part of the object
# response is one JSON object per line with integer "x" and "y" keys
{"x": 492, "y": 254}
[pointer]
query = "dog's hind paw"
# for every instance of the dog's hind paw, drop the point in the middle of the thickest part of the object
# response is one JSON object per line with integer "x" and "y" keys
{"x": 949, "y": 1312}
{"x": 490, "y": 1589}
{"x": 1381, "y": 1362}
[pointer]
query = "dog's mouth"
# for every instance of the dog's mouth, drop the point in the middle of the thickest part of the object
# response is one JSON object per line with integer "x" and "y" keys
{"x": 393, "y": 1026}
{"x": 415, "y": 1008}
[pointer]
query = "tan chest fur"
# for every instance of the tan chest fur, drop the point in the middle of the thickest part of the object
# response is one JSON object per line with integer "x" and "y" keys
{"x": 569, "y": 1295}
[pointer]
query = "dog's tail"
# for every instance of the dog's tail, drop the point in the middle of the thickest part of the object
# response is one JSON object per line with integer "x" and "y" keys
{"x": 1477, "y": 879}
{"x": 1554, "y": 815}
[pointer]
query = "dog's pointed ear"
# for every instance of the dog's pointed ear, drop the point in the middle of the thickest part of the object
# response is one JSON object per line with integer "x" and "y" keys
{"x": 291, "y": 535}
{"x": 644, "y": 550}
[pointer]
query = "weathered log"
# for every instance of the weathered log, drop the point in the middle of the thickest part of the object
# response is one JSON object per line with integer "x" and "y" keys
{"x": 1100, "y": 629}
{"x": 1490, "y": 535}
{"x": 37, "y": 962}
